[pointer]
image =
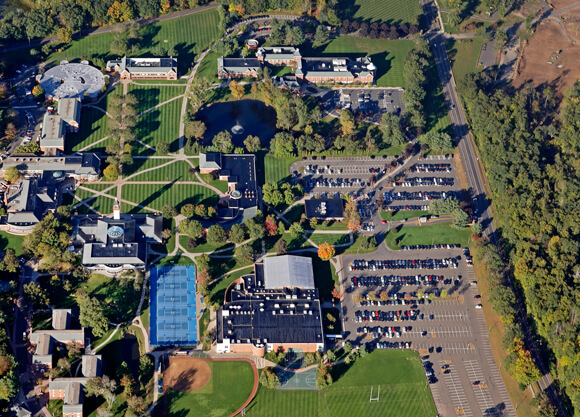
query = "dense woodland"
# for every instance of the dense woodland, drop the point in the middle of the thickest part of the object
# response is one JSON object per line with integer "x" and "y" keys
{"x": 532, "y": 158}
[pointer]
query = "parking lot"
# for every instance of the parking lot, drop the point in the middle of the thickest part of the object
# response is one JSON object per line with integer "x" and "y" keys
{"x": 445, "y": 331}
{"x": 372, "y": 101}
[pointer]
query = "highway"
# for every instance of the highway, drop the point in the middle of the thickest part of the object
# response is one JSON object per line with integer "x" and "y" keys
{"x": 475, "y": 178}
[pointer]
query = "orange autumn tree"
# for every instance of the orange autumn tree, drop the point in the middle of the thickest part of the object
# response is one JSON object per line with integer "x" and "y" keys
{"x": 326, "y": 251}
{"x": 351, "y": 216}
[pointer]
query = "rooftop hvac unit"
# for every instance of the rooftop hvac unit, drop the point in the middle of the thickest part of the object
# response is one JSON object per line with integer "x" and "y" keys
{"x": 281, "y": 311}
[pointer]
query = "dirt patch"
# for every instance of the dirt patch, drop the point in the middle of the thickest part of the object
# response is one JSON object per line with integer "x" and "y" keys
{"x": 186, "y": 374}
{"x": 558, "y": 5}
{"x": 549, "y": 59}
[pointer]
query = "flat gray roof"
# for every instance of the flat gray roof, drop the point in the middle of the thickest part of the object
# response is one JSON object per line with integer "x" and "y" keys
{"x": 72, "y": 80}
{"x": 288, "y": 271}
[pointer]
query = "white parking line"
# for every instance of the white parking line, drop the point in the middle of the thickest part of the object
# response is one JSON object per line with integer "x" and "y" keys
{"x": 449, "y": 316}
{"x": 482, "y": 394}
{"x": 456, "y": 392}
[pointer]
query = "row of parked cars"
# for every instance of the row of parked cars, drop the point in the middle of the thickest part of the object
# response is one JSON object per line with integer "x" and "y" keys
{"x": 336, "y": 183}
{"x": 30, "y": 128}
{"x": 416, "y": 195}
{"x": 364, "y": 265}
{"x": 411, "y": 207}
{"x": 388, "y": 345}
{"x": 425, "y": 182}
{"x": 428, "y": 247}
{"x": 399, "y": 315}
{"x": 397, "y": 280}
{"x": 430, "y": 168}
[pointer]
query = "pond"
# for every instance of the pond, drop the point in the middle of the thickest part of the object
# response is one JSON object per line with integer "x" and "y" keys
{"x": 241, "y": 118}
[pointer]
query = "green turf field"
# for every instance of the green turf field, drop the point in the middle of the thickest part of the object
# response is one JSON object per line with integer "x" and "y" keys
{"x": 93, "y": 127}
{"x": 402, "y": 214}
{"x": 149, "y": 96}
{"x": 427, "y": 235}
{"x": 277, "y": 170}
{"x": 11, "y": 241}
{"x": 229, "y": 387}
{"x": 387, "y": 55}
{"x": 156, "y": 195}
{"x": 188, "y": 35}
{"x": 389, "y": 11}
{"x": 159, "y": 125}
{"x": 464, "y": 56}
{"x": 141, "y": 164}
{"x": 204, "y": 247}
{"x": 404, "y": 391}
{"x": 176, "y": 171}
{"x": 333, "y": 239}
{"x": 208, "y": 67}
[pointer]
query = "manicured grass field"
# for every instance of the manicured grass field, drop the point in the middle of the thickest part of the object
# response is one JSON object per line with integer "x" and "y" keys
{"x": 404, "y": 391}
{"x": 402, "y": 214}
{"x": 100, "y": 203}
{"x": 93, "y": 127}
{"x": 427, "y": 235}
{"x": 188, "y": 35}
{"x": 208, "y": 67}
{"x": 204, "y": 247}
{"x": 140, "y": 164}
{"x": 390, "y": 11}
{"x": 464, "y": 56}
{"x": 149, "y": 96}
{"x": 156, "y": 196}
{"x": 176, "y": 171}
{"x": 220, "y": 185}
{"x": 355, "y": 248}
{"x": 277, "y": 170}
{"x": 333, "y": 239}
{"x": 159, "y": 125}
{"x": 11, "y": 241}
{"x": 387, "y": 55}
{"x": 229, "y": 386}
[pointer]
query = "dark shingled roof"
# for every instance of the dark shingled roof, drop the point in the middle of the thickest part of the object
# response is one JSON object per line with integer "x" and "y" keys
{"x": 324, "y": 208}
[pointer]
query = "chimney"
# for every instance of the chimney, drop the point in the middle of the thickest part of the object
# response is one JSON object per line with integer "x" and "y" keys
{"x": 117, "y": 210}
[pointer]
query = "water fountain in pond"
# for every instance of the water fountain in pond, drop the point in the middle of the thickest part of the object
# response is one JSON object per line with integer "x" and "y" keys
{"x": 237, "y": 129}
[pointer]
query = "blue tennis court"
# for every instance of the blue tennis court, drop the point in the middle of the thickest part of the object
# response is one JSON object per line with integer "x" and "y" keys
{"x": 172, "y": 320}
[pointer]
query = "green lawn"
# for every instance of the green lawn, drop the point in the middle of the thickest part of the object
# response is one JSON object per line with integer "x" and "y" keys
{"x": 333, "y": 239}
{"x": 427, "y": 235}
{"x": 157, "y": 195}
{"x": 404, "y": 391}
{"x": 93, "y": 127}
{"x": 140, "y": 164}
{"x": 176, "y": 171}
{"x": 402, "y": 214}
{"x": 117, "y": 295}
{"x": 220, "y": 185}
{"x": 391, "y": 12}
{"x": 204, "y": 247}
{"x": 11, "y": 241}
{"x": 229, "y": 386}
{"x": 277, "y": 170}
{"x": 149, "y": 96}
{"x": 100, "y": 203}
{"x": 159, "y": 125}
{"x": 218, "y": 291}
{"x": 464, "y": 56}
{"x": 355, "y": 248}
{"x": 188, "y": 35}
{"x": 387, "y": 55}
{"x": 208, "y": 67}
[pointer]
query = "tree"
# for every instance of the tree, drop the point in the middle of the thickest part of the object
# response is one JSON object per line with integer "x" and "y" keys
{"x": 443, "y": 294}
{"x": 391, "y": 129}
{"x": 187, "y": 210}
{"x": 11, "y": 174}
{"x": 195, "y": 129}
{"x": 10, "y": 131}
{"x": 324, "y": 378}
{"x": 320, "y": 36}
{"x": 120, "y": 12}
{"x": 36, "y": 294}
{"x": 32, "y": 147}
{"x": 168, "y": 211}
{"x": 222, "y": 142}
{"x": 202, "y": 261}
{"x": 253, "y": 143}
{"x": 216, "y": 235}
{"x": 255, "y": 229}
{"x": 236, "y": 89}
{"x": 37, "y": 91}
{"x": 166, "y": 234}
{"x": 162, "y": 148}
{"x": 296, "y": 230}
{"x": 92, "y": 314}
{"x": 281, "y": 247}
{"x": 282, "y": 145}
{"x": 500, "y": 36}
{"x": 111, "y": 173}
{"x": 245, "y": 254}
{"x": 326, "y": 251}
{"x": 524, "y": 369}
{"x": 351, "y": 216}
{"x": 137, "y": 405}
{"x": 237, "y": 234}
{"x": 331, "y": 355}
{"x": 437, "y": 140}
{"x": 10, "y": 262}
{"x": 347, "y": 123}
{"x": 271, "y": 226}
{"x": 64, "y": 35}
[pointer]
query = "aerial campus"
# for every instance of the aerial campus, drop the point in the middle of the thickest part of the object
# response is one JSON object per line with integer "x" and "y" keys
{"x": 289, "y": 208}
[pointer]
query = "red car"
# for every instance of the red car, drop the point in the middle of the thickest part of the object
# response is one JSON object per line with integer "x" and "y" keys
{"x": 475, "y": 383}
{"x": 477, "y": 296}
{"x": 383, "y": 222}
